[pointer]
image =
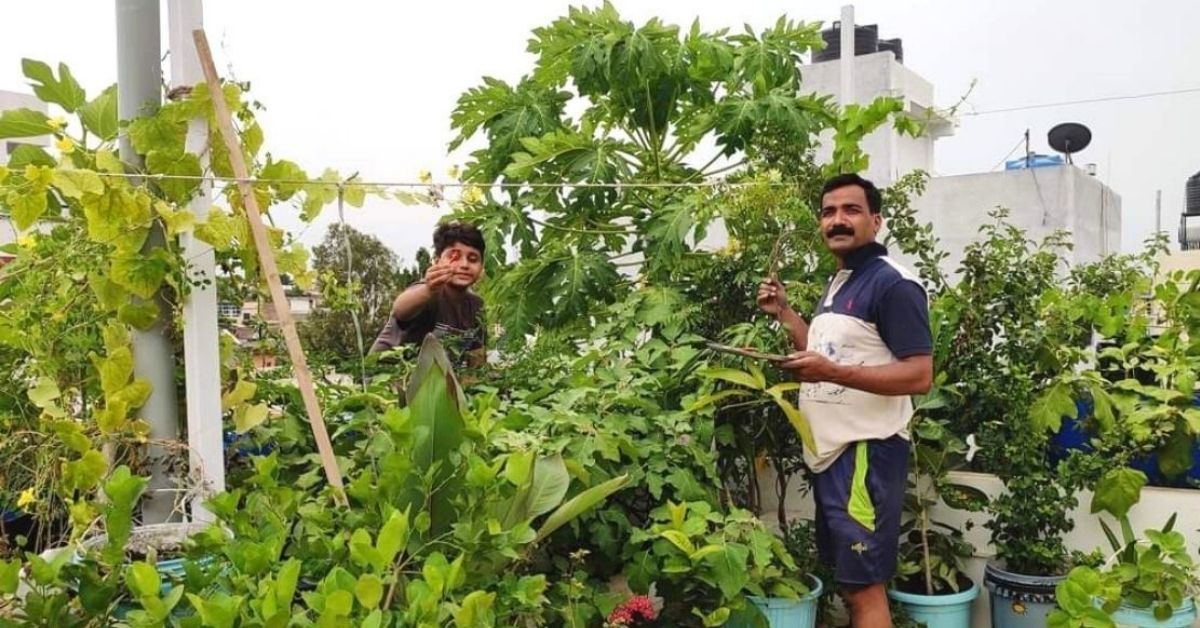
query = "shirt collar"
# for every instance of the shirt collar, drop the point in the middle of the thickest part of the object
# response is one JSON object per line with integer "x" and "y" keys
{"x": 859, "y": 257}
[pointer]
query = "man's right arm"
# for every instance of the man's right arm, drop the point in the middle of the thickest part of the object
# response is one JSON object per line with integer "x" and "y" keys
{"x": 772, "y": 299}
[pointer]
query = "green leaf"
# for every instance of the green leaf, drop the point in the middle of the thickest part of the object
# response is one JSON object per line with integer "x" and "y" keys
{"x": 544, "y": 492}
{"x": 218, "y": 229}
{"x": 476, "y": 611}
{"x": 44, "y": 392}
{"x": 27, "y": 207}
{"x": 139, "y": 314}
{"x": 141, "y": 274}
{"x": 730, "y": 569}
{"x": 715, "y": 618}
{"x": 741, "y": 378}
{"x": 580, "y": 504}
{"x": 109, "y": 293}
{"x": 85, "y": 473}
{"x": 175, "y": 164}
{"x": 679, "y": 540}
{"x": 219, "y": 610}
{"x": 246, "y": 418}
{"x": 1117, "y": 491}
{"x": 708, "y": 400}
{"x": 1050, "y": 408}
{"x": 242, "y": 392}
{"x": 798, "y": 421}
{"x": 24, "y": 123}
{"x": 29, "y": 155}
{"x": 368, "y": 590}
{"x": 64, "y": 91}
{"x": 435, "y": 401}
{"x": 1175, "y": 457}
{"x": 107, "y": 161}
{"x": 116, "y": 369}
{"x": 99, "y": 116}
{"x": 143, "y": 579}
{"x": 76, "y": 183}
{"x": 10, "y": 576}
{"x": 518, "y": 466}
{"x": 393, "y": 537}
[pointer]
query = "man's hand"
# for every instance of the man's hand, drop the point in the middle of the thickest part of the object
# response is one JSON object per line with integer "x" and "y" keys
{"x": 438, "y": 275}
{"x": 772, "y": 298}
{"x": 806, "y": 366}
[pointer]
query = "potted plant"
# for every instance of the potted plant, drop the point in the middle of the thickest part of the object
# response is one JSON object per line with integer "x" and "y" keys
{"x": 931, "y": 582}
{"x": 1028, "y": 523}
{"x": 717, "y": 569}
{"x": 1147, "y": 582}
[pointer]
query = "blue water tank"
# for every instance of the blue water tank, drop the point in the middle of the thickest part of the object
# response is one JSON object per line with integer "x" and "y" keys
{"x": 1033, "y": 161}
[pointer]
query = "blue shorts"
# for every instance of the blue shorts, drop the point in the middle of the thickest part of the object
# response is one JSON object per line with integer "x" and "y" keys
{"x": 859, "y": 500}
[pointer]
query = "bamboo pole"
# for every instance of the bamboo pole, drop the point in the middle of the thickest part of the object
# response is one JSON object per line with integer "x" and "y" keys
{"x": 267, "y": 260}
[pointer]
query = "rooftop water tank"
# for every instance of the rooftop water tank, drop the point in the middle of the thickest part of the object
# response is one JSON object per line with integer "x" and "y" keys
{"x": 1033, "y": 160}
{"x": 1192, "y": 192}
{"x": 866, "y": 41}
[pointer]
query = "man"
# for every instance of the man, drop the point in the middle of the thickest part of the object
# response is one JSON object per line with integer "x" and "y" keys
{"x": 867, "y": 349}
{"x": 443, "y": 303}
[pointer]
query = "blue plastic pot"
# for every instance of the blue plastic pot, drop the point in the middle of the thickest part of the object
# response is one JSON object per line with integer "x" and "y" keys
{"x": 939, "y": 611}
{"x": 786, "y": 613}
{"x": 1019, "y": 600}
{"x": 1183, "y": 617}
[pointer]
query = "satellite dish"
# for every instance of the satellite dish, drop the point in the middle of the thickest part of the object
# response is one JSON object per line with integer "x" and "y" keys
{"x": 1069, "y": 137}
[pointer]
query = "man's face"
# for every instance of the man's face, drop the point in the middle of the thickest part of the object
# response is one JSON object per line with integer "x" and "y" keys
{"x": 466, "y": 262}
{"x": 846, "y": 220}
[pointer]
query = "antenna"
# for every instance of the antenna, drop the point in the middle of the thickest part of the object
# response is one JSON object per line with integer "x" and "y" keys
{"x": 1069, "y": 137}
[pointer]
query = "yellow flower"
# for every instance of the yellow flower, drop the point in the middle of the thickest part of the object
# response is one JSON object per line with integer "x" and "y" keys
{"x": 27, "y": 497}
{"x": 27, "y": 241}
{"x": 58, "y": 122}
{"x": 65, "y": 145}
{"x": 424, "y": 176}
{"x": 453, "y": 172}
{"x": 471, "y": 195}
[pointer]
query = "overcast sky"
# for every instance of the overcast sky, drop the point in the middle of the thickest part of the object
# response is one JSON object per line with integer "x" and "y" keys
{"x": 369, "y": 86}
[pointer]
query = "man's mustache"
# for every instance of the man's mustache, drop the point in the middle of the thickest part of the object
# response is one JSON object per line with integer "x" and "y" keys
{"x": 838, "y": 230}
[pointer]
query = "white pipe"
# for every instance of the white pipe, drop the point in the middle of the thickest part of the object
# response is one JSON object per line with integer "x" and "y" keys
{"x": 139, "y": 90}
{"x": 201, "y": 340}
{"x": 846, "y": 93}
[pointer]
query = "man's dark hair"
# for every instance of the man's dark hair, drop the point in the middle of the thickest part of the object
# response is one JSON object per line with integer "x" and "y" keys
{"x": 874, "y": 198}
{"x": 448, "y": 234}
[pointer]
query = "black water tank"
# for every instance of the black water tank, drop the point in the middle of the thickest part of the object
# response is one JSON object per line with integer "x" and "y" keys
{"x": 866, "y": 41}
{"x": 1192, "y": 206}
{"x": 895, "y": 45}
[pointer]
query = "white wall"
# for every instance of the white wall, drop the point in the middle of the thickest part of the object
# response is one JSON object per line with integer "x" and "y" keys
{"x": 1040, "y": 201}
{"x": 878, "y": 75}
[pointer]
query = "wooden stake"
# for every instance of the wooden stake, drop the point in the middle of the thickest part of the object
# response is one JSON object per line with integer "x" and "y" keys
{"x": 267, "y": 260}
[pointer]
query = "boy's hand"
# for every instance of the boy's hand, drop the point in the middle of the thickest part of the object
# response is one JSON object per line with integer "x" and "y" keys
{"x": 772, "y": 298}
{"x": 438, "y": 275}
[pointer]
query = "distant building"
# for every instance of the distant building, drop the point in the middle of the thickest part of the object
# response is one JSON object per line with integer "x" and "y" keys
{"x": 1041, "y": 199}
{"x": 16, "y": 100}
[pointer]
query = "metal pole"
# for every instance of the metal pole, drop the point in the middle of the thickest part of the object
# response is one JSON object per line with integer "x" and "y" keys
{"x": 139, "y": 89}
{"x": 201, "y": 340}
{"x": 846, "y": 93}
{"x": 1157, "y": 212}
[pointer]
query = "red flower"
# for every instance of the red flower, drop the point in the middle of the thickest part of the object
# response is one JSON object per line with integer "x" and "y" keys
{"x": 636, "y": 609}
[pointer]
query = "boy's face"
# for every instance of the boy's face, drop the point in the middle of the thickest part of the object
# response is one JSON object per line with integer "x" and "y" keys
{"x": 466, "y": 262}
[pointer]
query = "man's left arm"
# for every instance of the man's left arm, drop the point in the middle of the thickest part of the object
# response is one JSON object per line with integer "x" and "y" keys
{"x": 903, "y": 324}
